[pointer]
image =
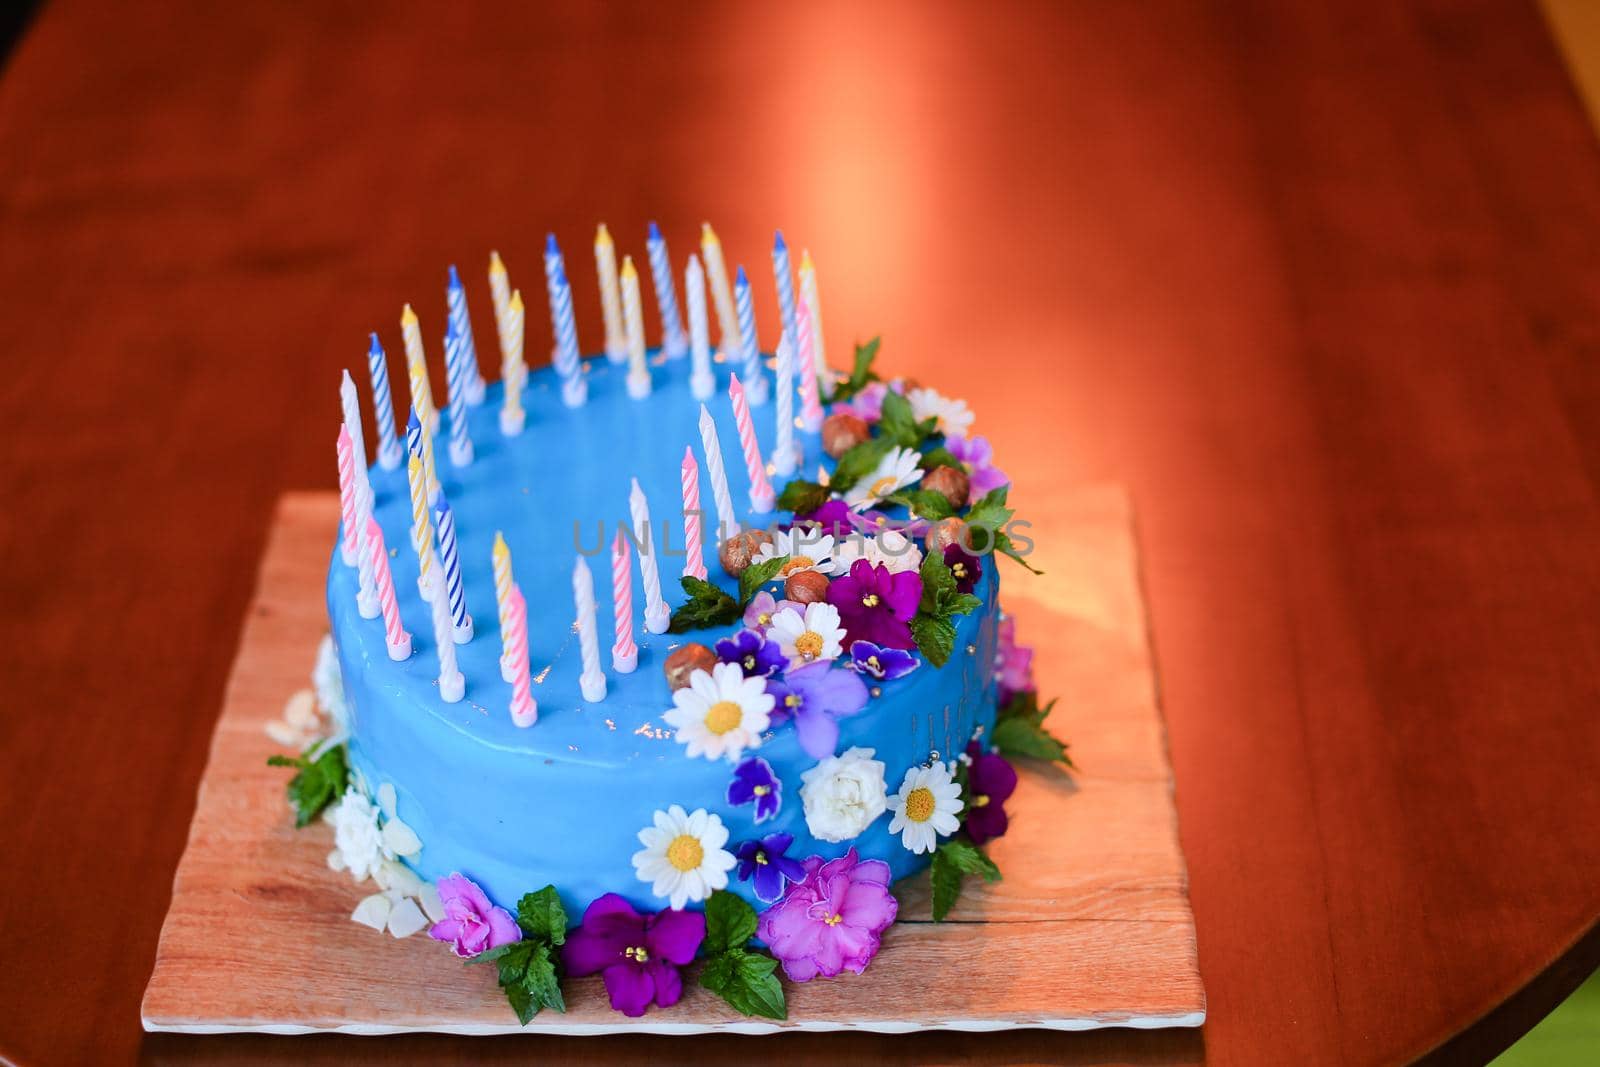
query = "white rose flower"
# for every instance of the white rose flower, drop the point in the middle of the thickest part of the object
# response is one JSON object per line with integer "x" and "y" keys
{"x": 843, "y": 794}
{"x": 358, "y": 841}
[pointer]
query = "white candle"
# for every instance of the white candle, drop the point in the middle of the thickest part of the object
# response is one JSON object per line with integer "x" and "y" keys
{"x": 605, "y": 261}
{"x": 350, "y": 400}
{"x": 656, "y": 616}
{"x": 592, "y": 682}
{"x": 633, "y": 319}
{"x": 808, "y": 296}
{"x": 727, "y": 524}
{"x": 702, "y": 383}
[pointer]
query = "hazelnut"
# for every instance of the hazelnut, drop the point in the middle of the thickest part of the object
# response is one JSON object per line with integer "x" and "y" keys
{"x": 737, "y": 551}
{"x": 843, "y": 431}
{"x": 685, "y": 660}
{"x": 806, "y": 587}
{"x": 951, "y": 531}
{"x": 949, "y": 482}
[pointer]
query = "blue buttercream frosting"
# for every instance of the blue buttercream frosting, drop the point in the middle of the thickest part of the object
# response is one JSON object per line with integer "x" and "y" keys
{"x": 562, "y": 802}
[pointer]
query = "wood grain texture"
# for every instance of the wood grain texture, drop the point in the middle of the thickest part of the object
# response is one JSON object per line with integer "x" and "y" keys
{"x": 1090, "y": 927}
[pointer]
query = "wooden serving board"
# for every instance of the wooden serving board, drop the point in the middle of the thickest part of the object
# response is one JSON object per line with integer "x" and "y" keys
{"x": 1090, "y": 928}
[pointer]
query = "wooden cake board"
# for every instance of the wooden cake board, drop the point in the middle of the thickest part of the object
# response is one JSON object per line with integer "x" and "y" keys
{"x": 1090, "y": 927}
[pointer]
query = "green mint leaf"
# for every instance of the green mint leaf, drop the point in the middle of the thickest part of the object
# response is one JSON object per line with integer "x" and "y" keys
{"x": 860, "y": 374}
{"x": 924, "y": 503}
{"x": 757, "y": 575}
{"x": 859, "y": 462}
{"x": 542, "y": 917}
{"x": 542, "y": 981}
{"x": 493, "y": 954}
{"x": 965, "y": 603}
{"x": 730, "y": 923}
{"x": 935, "y": 636}
{"x": 938, "y": 584}
{"x": 747, "y": 981}
{"x": 944, "y": 878}
{"x": 991, "y": 512}
{"x": 1024, "y": 735}
{"x": 969, "y": 859}
{"x": 521, "y": 1003}
{"x": 1003, "y": 545}
{"x": 514, "y": 964}
{"x": 802, "y": 497}
{"x": 318, "y": 783}
{"x": 897, "y": 423}
{"x": 939, "y": 456}
{"x": 707, "y": 606}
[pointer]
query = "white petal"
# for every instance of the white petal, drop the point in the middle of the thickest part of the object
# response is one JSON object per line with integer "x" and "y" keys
{"x": 373, "y": 911}
{"x": 406, "y": 919}
{"x": 386, "y": 800}
{"x": 400, "y": 838}
{"x": 397, "y": 877}
{"x": 432, "y": 906}
{"x": 336, "y": 860}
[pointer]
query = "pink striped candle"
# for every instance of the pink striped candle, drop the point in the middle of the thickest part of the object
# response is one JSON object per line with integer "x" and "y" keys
{"x": 394, "y": 634}
{"x": 810, "y": 395}
{"x": 349, "y": 544}
{"x": 694, "y": 564}
{"x": 761, "y": 495}
{"x": 624, "y": 653}
{"x": 524, "y": 709}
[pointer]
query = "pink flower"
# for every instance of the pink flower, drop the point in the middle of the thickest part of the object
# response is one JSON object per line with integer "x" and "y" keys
{"x": 868, "y": 403}
{"x": 976, "y": 455}
{"x": 1013, "y": 662}
{"x": 472, "y": 923}
{"x": 832, "y": 919}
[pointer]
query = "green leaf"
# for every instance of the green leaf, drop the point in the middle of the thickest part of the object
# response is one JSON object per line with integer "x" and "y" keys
{"x": 319, "y": 782}
{"x": 493, "y": 954}
{"x": 991, "y": 512}
{"x": 964, "y": 603}
{"x": 939, "y": 456}
{"x": 897, "y": 423}
{"x": 541, "y": 916}
{"x": 925, "y": 503}
{"x": 938, "y": 584}
{"x": 802, "y": 497}
{"x": 969, "y": 859}
{"x": 1024, "y": 736}
{"x": 513, "y": 965}
{"x": 707, "y": 606}
{"x": 748, "y": 981}
{"x": 860, "y": 374}
{"x": 954, "y": 860}
{"x": 859, "y": 462}
{"x": 730, "y": 923}
{"x": 1003, "y": 545}
{"x": 935, "y": 636}
{"x": 521, "y": 1003}
{"x": 542, "y": 981}
{"x": 757, "y": 575}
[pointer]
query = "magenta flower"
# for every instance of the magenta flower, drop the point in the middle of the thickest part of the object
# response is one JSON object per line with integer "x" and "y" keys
{"x": 834, "y": 517}
{"x": 1013, "y": 662}
{"x": 990, "y": 783}
{"x": 471, "y": 923}
{"x": 637, "y": 956}
{"x": 875, "y": 605}
{"x": 976, "y": 455}
{"x": 831, "y": 920}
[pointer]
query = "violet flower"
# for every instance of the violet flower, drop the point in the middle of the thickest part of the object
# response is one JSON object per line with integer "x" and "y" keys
{"x": 834, "y": 517}
{"x": 884, "y": 664}
{"x": 762, "y": 607}
{"x": 832, "y": 919}
{"x": 990, "y": 782}
{"x": 1013, "y": 662}
{"x": 637, "y": 956}
{"x": 754, "y": 780}
{"x": 875, "y": 605}
{"x": 816, "y": 697}
{"x": 471, "y": 923}
{"x": 754, "y": 654}
{"x": 868, "y": 403}
{"x": 964, "y": 566}
{"x": 976, "y": 455}
{"x": 763, "y": 864}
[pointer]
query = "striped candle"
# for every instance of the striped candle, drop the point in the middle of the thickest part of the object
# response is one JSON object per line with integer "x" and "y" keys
{"x": 500, "y": 296}
{"x": 349, "y": 528}
{"x": 450, "y": 570}
{"x": 591, "y": 681}
{"x": 808, "y": 297}
{"x": 458, "y": 381}
{"x": 417, "y": 371}
{"x": 553, "y": 263}
{"x": 421, "y": 526}
{"x": 389, "y": 451}
{"x": 574, "y": 389}
{"x": 727, "y": 523}
{"x": 810, "y": 399}
{"x": 350, "y": 401}
{"x": 452, "y": 686}
{"x": 456, "y": 300}
{"x": 694, "y": 564}
{"x": 394, "y": 634}
{"x": 656, "y": 616}
{"x": 783, "y": 450}
{"x": 673, "y": 344}
{"x": 717, "y": 272}
{"x": 761, "y": 496}
{"x": 524, "y": 709}
{"x": 513, "y": 369}
{"x": 633, "y": 316}
{"x": 749, "y": 346}
{"x": 501, "y": 557}
{"x": 420, "y": 445}
{"x": 624, "y": 653}
{"x": 605, "y": 263}
{"x": 702, "y": 382}
{"x": 785, "y": 282}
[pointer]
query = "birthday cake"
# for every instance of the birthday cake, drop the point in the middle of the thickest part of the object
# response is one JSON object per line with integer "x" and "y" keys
{"x": 663, "y": 656}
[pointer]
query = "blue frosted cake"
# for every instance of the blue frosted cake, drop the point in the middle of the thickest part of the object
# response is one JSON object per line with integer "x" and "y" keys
{"x": 663, "y": 655}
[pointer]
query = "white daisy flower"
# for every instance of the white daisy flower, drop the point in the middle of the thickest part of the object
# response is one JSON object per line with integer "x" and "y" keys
{"x": 683, "y": 858}
{"x": 808, "y": 549}
{"x": 891, "y": 548}
{"x": 926, "y": 807}
{"x": 807, "y": 638}
{"x": 953, "y": 417}
{"x": 720, "y": 712}
{"x": 894, "y": 471}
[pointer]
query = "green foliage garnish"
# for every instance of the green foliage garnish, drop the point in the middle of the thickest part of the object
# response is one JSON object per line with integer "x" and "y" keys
{"x": 802, "y": 497}
{"x": 1019, "y": 730}
{"x": 897, "y": 423}
{"x": 924, "y": 503}
{"x": 955, "y": 859}
{"x": 986, "y": 526}
{"x": 757, "y": 575}
{"x": 528, "y": 969}
{"x": 939, "y": 456}
{"x": 319, "y": 782}
{"x": 707, "y": 606}
{"x": 935, "y": 637}
{"x": 859, "y": 462}
{"x": 746, "y": 979}
{"x": 933, "y": 627}
{"x": 861, "y": 373}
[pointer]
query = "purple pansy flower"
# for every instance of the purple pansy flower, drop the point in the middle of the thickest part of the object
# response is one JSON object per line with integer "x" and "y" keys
{"x": 763, "y": 864}
{"x": 471, "y": 923}
{"x": 990, "y": 782}
{"x": 816, "y": 697}
{"x": 834, "y": 517}
{"x": 753, "y": 780}
{"x": 830, "y": 920}
{"x": 875, "y": 605}
{"x": 884, "y": 664}
{"x": 1013, "y": 662}
{"x": 976, "y": 455}
{"x": 874, "y": 522}
{"x": 762, "y": 607}
{"x": 754, "y": 654}
{"x": 964, "y": 566}
{"x": 638, "y": 956}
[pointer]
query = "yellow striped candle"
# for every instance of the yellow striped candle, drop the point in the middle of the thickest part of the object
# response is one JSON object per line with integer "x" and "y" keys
{"x": 417, "y": 372}
{"x": 500, "y": 294}
{"x": 721, "y": 291}
{"x": 502, "y": 597}
{"x": 808, "y": 296}
{"x": 605, "y": 262}
{"x": 421, "y": 526}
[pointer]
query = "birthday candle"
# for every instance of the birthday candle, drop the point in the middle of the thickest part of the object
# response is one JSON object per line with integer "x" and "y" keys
{"x": 421, "y": 525}
{"x": 808, "y": 296}
{"x": 349, "y": 542}
{"x": 456, "y": 299}
{"x": 702, "y": 383}
{"x": 783, "y": 452}
{"x": 500, "y": 295}
{"x": 389, "y": 450}
{"x": 452, "y": 686}
{"x": 524, "y": 709}
{"x": 420, "y": 445}
{"x": 785, "y": 281}
{"x": 624, "y": 653}
{"x": 351, "y": 404}
{"x": 727, "y": 524}
{"x": 457, "y": 379}
{"x": 694, "y": 565}
{"x": 514, "y": 370}
{"x": 717, "y": 272}
{"x": 417, "y": 371}
{"x": 605, "y": 262}
{"x": 673, "y": 345}
{"x": 810, "y": 401}
{"x": 574, "y": 390}
{"x": 761, "y": 496}
{"x": 501, "y": 557}
{"x": 591, "y": 681}
{"x": 633, "y": 315}
{"x": 749, "y": 346}
{"x": 450, "y": 570}
{"x": 655, "y": 609}
{"x": 394, "y": 634}
{"x": 553, "y": 263}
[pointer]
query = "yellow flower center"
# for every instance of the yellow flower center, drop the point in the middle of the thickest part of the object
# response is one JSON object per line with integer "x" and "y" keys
{"x": 834, "y": 920}
{"x": 724, "y": 715}
{"x": 761, "y": 859}
{"x": 761, "y": 790}
{"x": 919, "y": 804}
{"x": 959, "y": 570}
{"x": 796, "y": 563}
{"x": 750, "y": 663}
{"x": 870, "y": 600}
{"x": 637, "y": 953}
{"x": 874, "y": 665}
{"x": 685, "y": 852}
{"x": 980, "y": 801}
{"x": 764, "y": 618}
{"x": 884, "y": 485}
{"x": 809, "y": 644}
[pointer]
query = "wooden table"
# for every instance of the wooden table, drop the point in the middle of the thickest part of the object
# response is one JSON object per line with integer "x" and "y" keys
{"x": 1318, "y": 283}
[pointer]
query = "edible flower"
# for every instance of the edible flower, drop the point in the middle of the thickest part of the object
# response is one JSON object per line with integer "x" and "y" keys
{"x": 754, "y": 781}
{"x": 832, "y": 919}
{"x": 755, "y": 655}
{"x": 637, "y": 956}
{"x": 816, "y": 698}
{"x": 471, "y": 923}
{"x": 990, "y": 782}
{"x": 763, "y": 864}
{"x": 876, "y": 605}
{"x": 884, "y": 664}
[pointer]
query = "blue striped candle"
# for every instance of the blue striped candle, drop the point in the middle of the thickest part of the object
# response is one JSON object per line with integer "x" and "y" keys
{"x": 673, "y": 343}
{"x": 461, "y": 323}
{"x": 785, "y": 280}
{"x": 457, "y": 377}
{"x": 450, "y": 570}
{"x": 553, "y": 263}
{"x": 389, "y": 451}
{"x": 574, "y": 389}
{"x": 755, "y": 387}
